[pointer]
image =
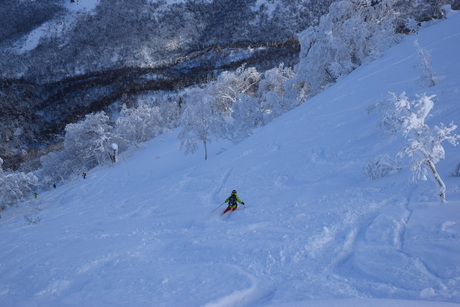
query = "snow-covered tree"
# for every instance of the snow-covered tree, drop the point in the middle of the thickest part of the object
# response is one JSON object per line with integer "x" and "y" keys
{"x": 90, "y": 139}
{"x": 87, "y": 144}
{"x": 229, "y": 85}
{"x": 167, "y": 103}
{"x": 424, "y": 143}
{"x": 246, "y": 116}
{"x": 56, "y": 167}
{"x": 170, "y": 111}
{"x": 114, "y": 154}
{"x": 427, "y": 78}
{"x": 15, "y": 187}
{"x": 137, "y": 125}
{"x": 241, "y": 101}
{"x": 352, "y": 33}
{"x": 200, "y": 122}
{"x": 232, "y": 111}
{"x": 272, "y": 89}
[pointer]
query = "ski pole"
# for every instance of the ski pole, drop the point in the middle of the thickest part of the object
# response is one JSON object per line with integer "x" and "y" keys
{"x": 218, "y": 207}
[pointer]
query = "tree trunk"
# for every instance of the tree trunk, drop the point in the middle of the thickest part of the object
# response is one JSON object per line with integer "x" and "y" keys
{"x": 205, "y": 150}
{"x": 439, "y": 180}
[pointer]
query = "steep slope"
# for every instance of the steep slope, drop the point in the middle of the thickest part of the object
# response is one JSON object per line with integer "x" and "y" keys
{"x": 83, "y": 56}
{"x": 314, "y": 227}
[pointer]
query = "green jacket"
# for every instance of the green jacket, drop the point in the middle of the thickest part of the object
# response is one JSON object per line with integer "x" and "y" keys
{"x": 236, "y": 196}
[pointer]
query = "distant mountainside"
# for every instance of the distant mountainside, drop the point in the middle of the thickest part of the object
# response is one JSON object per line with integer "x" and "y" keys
{"x": 45, "y": 41}
{"x": 77, "y": 37}
{"x": 62, "y": 59}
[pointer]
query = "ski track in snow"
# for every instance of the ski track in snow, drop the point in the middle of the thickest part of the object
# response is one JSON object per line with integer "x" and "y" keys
{"x": 253, "y": 295}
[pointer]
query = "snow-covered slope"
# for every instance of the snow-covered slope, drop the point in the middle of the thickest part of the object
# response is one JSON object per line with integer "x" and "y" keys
{"x": 315, "y": 231}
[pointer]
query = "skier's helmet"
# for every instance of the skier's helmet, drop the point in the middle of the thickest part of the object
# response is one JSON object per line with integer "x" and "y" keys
{"x": 234, "y": 192}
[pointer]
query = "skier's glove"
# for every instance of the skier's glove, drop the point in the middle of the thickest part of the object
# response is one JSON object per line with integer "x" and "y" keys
{"x": 242, "y": 202}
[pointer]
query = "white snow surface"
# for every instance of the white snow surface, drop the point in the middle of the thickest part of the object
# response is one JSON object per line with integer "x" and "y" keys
{"x": 315, "y": 231}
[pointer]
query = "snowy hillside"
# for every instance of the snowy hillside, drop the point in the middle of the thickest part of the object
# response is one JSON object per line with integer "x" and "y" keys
{"x": 67, "y": 59}
{"x": 314, "y": 231}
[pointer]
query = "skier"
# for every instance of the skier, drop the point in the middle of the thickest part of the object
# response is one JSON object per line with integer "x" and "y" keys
{"x": 84, "y": 175}
{"x": 233, "y": 201}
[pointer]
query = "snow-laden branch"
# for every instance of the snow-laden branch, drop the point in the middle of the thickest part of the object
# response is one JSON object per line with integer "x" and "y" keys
{"x": 424, "y": 144}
